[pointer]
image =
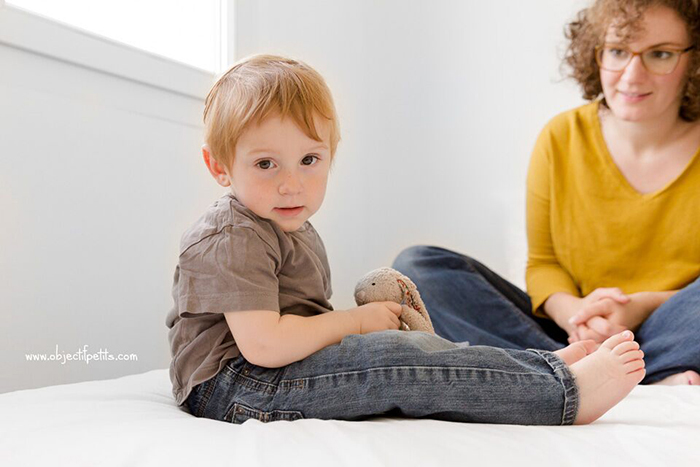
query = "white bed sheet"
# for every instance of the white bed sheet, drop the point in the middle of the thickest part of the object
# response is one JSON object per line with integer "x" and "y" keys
{"x": 133, "y": 421}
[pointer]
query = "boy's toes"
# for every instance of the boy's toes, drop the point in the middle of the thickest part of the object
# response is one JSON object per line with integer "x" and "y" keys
{"x": 617, "y": 339}
{"x": 589, "y": 345}
{"x": 634, "y": 365}
{"x": 572, "y": 353}
{"x": 625, "y": 347}
{"x": 632, "y": 355}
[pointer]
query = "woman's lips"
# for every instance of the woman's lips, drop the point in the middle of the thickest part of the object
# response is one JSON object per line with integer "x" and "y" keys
{"x": 289, "y": 212}
{"x": 634, "y": 96}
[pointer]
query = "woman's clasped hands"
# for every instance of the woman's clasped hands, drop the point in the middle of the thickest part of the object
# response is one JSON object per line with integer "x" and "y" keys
{"x": 608, "y": 311}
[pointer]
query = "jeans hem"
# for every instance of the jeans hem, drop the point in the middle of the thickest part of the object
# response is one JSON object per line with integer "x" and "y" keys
{"x": 568, "y": 382}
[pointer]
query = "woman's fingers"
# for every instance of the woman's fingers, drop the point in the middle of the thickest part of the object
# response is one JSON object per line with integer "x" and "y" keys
{"x": 585, "y": 332}
{"x": 600, "y": 308}
{"x": 604, "y": 327}
{"x": 614, "y": 293}
{"x": 573, "y": 337}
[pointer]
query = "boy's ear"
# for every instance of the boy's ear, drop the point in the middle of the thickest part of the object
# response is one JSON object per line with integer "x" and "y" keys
{"x": 215, "y": 169}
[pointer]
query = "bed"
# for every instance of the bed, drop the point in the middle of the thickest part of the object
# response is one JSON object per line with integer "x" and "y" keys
{"x": 133, "y": 421}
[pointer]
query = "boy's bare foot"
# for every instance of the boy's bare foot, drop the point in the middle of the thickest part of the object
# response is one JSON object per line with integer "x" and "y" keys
{"x": 687, "y": 378}
{"x": 576, "y": 351}
{"x": 607, "y": 375}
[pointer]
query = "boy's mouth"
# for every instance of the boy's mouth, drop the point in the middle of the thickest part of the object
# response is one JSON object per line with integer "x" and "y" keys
{"x": 289, "y": 212}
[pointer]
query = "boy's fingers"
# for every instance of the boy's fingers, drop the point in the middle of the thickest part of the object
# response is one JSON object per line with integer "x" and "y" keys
{"x": 394, "y": 308}
{"x": 395, "y": 320}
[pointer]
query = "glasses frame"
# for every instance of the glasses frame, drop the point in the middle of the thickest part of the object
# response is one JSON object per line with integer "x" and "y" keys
{"x": 598, "y": 58}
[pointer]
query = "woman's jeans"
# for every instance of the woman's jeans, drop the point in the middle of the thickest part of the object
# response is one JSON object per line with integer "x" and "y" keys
{"x": 469, "y": 302}
{"x": 413, "y": 374}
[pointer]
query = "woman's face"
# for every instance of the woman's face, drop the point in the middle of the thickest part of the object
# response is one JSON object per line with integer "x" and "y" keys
{"x": 635, "y": 94}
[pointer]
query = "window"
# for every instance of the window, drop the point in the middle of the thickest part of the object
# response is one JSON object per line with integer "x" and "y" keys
{"x": 187, "y": 31}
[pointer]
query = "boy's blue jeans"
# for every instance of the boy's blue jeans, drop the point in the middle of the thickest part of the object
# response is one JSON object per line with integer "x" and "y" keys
{"x": 467, "y": 301}
{"x": 412, "y": 374}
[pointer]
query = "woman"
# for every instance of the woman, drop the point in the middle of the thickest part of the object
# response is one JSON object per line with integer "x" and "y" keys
{"x": 613, "y": 205}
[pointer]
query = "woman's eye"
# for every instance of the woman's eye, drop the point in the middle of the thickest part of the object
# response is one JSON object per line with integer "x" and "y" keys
{"x": 661, "y": 54}
{"x": 264, "y": 164}
{"x": 617, "y": 53}
{"x": 309, "y": 160}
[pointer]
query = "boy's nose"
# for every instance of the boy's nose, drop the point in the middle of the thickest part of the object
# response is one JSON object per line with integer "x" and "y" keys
{"x": 291, "y": 185}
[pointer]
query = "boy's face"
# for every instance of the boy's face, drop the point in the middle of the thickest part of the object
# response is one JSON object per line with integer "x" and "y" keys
{"x": 280, "y": 173}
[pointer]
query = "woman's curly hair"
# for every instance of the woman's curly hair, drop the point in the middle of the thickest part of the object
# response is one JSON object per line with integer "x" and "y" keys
{"x": 588, "y": 31}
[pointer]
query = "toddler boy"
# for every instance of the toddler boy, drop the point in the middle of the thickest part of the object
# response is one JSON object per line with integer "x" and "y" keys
{"x": 252, "y": 332}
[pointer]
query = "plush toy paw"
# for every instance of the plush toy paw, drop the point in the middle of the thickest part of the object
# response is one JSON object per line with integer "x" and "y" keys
{"x": 389, "y": 285}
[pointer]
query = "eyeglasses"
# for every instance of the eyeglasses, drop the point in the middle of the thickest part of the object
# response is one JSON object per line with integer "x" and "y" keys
{"x": 656, "y": 60}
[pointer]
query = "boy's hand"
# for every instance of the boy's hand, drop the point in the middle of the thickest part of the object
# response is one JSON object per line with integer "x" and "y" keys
{"x": 376, "y": 316}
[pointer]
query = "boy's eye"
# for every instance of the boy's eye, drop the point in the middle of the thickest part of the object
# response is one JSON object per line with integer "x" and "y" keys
{"x": 265, "y": 164}
{"x": 309, "y": 160}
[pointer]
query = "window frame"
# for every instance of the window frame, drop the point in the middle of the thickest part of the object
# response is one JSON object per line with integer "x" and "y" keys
{"x": 26, "y": 31}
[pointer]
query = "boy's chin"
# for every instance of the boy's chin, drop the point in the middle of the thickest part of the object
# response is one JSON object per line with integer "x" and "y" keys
{"x": 289, "y": 225}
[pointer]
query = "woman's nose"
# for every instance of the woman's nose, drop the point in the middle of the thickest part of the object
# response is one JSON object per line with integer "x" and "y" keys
{"x": 635, "y": 70}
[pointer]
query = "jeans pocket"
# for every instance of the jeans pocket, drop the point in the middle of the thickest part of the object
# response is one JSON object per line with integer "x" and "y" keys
{"x": 240, "y": 372}
{"x": 239, "y": 413}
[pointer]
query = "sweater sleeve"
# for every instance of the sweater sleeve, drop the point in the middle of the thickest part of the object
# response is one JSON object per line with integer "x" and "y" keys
{"x": 544, "y": 274}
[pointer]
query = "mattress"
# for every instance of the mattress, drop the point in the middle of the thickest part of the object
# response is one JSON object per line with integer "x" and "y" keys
{"x": 134, "y": 421}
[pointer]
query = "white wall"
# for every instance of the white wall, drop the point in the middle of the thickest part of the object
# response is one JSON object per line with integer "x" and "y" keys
{"x": 440, "y": 103}
{"x": 99, "y": 176}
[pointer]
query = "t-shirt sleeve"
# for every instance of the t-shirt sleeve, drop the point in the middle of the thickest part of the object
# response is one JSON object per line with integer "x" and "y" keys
{"x": 544, "y": 275}
{"x": 233, "y": 270}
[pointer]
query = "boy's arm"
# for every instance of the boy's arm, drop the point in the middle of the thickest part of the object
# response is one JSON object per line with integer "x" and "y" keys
{"x": 269, "y": 340}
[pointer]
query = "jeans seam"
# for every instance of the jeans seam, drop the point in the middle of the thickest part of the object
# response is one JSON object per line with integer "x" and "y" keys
{"x": 298, "y": 383}
{"x": 568, "y": 382}
{"x": 265, "y": 416}
{"x": 209, "y": 389}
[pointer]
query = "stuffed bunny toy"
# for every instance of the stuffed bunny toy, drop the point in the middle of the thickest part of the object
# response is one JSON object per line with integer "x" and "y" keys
{"x": 389, "y": 285}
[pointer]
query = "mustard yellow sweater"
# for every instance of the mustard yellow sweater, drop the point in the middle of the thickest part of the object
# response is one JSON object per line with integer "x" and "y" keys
{"x": 588, "y": 227}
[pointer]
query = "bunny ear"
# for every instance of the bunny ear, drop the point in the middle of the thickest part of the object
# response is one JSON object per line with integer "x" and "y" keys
{"x": 409, "y": 283}
{"x": 405, "y": 293}
{"x": 410, "y": 298}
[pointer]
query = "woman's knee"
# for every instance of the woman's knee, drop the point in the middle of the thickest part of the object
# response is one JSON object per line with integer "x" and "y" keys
{"x": 422, "y": 256}
{"x": 679, "y": 315}
{"x": 410, "y": 256}
{"x": 686, "y": 300}
{"x": 693, "y": 288}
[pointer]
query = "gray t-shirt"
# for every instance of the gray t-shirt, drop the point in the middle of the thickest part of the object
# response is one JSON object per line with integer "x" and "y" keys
{"x": 233, "y": 260}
